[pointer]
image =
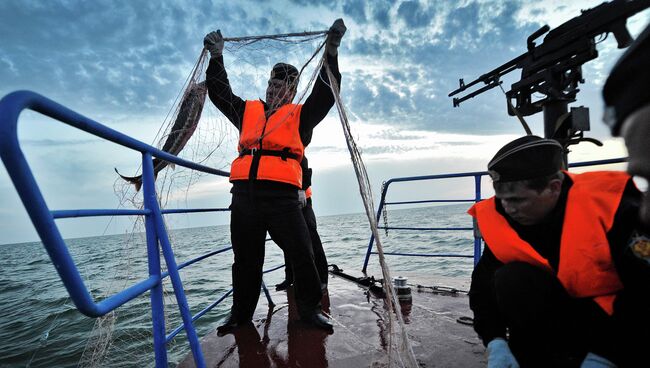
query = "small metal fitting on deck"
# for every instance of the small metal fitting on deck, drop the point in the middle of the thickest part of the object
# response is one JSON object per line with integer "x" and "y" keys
{"x": 402, "y": 290}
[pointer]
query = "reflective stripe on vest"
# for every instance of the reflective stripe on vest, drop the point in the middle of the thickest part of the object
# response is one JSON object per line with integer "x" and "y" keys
{"x": 281, "y": 132}
{"x": 585, "y": 268}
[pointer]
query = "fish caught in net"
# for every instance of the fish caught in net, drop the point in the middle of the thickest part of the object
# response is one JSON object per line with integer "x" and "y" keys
{"x": 187, "y": 118}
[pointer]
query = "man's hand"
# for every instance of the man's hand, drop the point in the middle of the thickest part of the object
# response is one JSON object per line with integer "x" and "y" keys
{"x": 499, "y": 355}
{"x": 213, "y": 41}
{"x": 302, "y": 198}
{"x": 334, "y": 36}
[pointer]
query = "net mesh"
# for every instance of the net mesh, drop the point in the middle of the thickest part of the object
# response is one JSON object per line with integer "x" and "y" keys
{"x": 213, "y": 142}
{"x": 404, "y": 356}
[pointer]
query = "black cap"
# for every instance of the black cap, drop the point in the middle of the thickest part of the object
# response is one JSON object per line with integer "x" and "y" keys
{"x": 628, "y": 86}
{"x": 285, "y": 72}
{"x": 526, "y": 158}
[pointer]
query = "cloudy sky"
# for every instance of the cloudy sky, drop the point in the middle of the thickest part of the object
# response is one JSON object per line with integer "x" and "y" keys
{"x": 123, "y": 63}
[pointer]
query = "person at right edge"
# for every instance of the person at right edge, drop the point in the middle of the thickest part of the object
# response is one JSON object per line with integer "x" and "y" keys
{"x": 627, "y": 98}
{"x": 555, "y": 285}
{"x": 317, "y": 245}
{"x": 266, "y": 177}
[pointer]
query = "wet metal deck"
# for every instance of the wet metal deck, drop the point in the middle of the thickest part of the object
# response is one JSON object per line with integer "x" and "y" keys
{"x": 278, "y": 339}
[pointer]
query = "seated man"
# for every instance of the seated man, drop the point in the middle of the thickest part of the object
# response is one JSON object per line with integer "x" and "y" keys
{"x": 551, "y": 287}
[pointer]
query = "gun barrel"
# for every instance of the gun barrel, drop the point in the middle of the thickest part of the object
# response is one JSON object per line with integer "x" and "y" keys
{"x": 490, "y": 85}
{"x": 491, "y": 76}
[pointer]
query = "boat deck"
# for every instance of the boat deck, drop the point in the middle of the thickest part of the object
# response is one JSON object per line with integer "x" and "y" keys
{"x": 277, "y": 338}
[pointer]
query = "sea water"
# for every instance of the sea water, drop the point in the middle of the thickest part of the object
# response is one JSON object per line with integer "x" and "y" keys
{"x": 40, "y": 327}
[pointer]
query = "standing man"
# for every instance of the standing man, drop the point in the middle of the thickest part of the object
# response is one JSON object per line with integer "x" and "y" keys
{"x": 266, "y": 177}
{"x": 317, "y": 245}
{"x": 554, "y": 284}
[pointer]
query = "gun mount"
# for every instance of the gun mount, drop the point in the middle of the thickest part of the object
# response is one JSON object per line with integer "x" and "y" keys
{"x": 553, "y": 69}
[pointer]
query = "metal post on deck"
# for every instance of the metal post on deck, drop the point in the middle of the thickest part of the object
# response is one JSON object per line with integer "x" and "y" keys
{"x": 153, "y": 256}
{"x": 477, "y": 198}
{"x": 372, "y": 235}
{"x": 172, "y": 267}
{"x": 268, "y": 295}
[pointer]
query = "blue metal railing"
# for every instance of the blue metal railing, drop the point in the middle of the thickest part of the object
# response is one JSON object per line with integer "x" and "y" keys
{"x": 156, "y": 234}
{"x": 477, "y": 175}
{"x": 477, "y": 197}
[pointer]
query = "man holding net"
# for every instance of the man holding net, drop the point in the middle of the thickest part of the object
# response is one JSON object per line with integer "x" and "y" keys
{"x": 266, "y": 176}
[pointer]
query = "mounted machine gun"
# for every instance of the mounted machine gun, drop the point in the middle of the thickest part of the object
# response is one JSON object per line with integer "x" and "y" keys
{"x": 554, "y": 69}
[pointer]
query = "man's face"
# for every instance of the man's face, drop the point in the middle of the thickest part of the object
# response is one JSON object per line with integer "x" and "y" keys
{"x": 278, "y": 93}
{"x": 528, "y": 206}
{"x": 636, "y": 131}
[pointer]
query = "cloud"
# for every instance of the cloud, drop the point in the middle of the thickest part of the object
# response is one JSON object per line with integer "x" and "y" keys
{"x": 133, "y": 51}
{"x": 414, "y": 14}
{"x": 356, "y": 9}
{"x": 135, "y": 60}
{"x": 314, "y": 2}
{"x": 124, "y": 63}
{"x": 380, "y": 13}
{"x": 317, "y": 149}
{"x": 394, "y": 134}
{"x": 9, "y": 63}
{"x": 57, "y": 142}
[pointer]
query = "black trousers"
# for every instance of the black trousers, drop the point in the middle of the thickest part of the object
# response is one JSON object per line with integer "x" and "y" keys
{"x": 547, "y": 327}
{"x": 251, "y": 218}
{"x": 317, "y": 246}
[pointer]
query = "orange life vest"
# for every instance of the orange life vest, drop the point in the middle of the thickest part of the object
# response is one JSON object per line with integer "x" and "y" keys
{"x": 281, "y": 148}
{"x": 585, "y": 268}
{"x": 308, "y": 192}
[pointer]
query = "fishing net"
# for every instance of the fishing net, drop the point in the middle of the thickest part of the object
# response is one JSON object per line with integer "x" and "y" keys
{"x": 189, "y": 131}
{"x": 404, "y": 353}
{"x": 200, "y": 138}
{"x": 196, "y": 131}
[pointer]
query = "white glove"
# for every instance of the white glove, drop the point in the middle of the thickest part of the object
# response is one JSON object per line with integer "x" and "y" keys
{"x": 213, "y": 41}
{"x": 499, "y": 355}
{"x": 334, "y": 36}
{"x": 302, "y": 198}
{"x": 596, "y": 361}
